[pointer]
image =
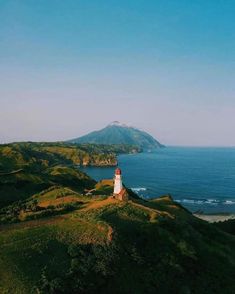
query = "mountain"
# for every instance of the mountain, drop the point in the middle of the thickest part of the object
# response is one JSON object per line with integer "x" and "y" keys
{"x": 117, "y": 133}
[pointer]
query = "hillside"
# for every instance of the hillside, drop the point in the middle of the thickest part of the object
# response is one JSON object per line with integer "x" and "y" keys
{"x": 227, "y": 226}
{"x": 61, "y": 232}
{"x": 108, "y": 246}
{"x": 28, "y": 168}
{"x": 116, "y": 133}
{"x": 44, "y": 154}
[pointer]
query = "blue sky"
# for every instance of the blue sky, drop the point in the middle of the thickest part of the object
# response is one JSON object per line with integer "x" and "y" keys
{"x": 69, "y": 67}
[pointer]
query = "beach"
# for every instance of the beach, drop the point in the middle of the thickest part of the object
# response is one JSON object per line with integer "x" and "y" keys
{"x": 212, "y": 218}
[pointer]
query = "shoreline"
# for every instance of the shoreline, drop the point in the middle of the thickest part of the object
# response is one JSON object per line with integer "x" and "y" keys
{"x": 213, "y": 218}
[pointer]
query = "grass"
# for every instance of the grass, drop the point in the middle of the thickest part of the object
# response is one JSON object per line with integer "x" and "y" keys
{"x": 54, "y": 239}
{"x": 27, "y": 250}
{"x": 119, "y": 238}
{"x": 28, "y": 168}
{"x": 57, "y": 196}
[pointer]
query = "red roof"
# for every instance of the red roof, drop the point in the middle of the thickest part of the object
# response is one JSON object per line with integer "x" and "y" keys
{"x": 118, "y": 171}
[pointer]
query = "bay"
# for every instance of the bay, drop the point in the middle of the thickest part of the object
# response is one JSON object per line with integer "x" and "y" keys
{"x": 199, "y": 178}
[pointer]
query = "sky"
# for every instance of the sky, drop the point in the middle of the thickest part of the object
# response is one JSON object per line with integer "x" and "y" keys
{"x": 71, "y": 67}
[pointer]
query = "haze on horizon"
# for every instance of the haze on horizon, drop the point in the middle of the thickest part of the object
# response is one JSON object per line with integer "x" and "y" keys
{"x": 71, "y": 67}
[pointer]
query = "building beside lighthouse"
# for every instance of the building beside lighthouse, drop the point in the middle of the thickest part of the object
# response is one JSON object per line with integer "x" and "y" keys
{"x": 119, "y": 192}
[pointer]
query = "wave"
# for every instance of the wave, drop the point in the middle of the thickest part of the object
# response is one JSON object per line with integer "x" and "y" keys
{"x": 229, "y": 202}
{"x": 139, "y": 189}
{"x": 206, "y": 201}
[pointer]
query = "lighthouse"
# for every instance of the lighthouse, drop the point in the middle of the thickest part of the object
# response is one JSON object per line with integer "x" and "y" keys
{"x": 118, "y": 181}
{"x": 119, "y": 191}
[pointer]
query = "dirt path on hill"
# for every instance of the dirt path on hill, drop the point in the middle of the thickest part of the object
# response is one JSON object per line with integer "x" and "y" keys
{"x": 99, "y": 203}
{"x": 59, "y": 218}
{"x": 154, "y": 213}
{"x": 96, "y": 204}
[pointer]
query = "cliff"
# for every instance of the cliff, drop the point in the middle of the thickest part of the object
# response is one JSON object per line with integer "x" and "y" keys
{"x": 19, "y": 155}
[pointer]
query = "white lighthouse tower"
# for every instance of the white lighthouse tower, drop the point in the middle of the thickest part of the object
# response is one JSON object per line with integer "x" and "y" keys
{"x": 118, "y": 182}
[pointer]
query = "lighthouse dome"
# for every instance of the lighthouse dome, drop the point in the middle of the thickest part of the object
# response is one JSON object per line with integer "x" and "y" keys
{"x": 118, "y": 171}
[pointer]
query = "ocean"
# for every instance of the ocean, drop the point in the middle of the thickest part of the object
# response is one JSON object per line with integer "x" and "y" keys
{"x": 200, "y": 179}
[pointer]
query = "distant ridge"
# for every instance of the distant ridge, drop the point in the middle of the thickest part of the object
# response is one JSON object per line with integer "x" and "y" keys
{"x": 118, "y": 133}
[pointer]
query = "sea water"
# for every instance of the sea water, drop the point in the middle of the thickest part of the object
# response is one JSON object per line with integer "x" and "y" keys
{"x": 201, "y": 179}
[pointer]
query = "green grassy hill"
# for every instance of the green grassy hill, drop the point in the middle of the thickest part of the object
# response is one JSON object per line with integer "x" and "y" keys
{"x": 108, "y": 246}
{"x": 21, "y": 185}
{"x": 28, "y": 168}
{"x": 61, "y": 232}
{"x": 42, "y": 155}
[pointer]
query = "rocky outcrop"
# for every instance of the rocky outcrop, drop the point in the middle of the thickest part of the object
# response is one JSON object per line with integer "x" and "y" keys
{"x": 109, "y": 160}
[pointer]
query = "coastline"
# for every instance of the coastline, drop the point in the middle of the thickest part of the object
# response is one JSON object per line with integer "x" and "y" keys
{"x": 213, "y": 218}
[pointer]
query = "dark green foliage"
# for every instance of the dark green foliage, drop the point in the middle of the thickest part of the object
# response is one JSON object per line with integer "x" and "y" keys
{"x": 173, "y": 256}
{"x": 11, "y": 213}
{"x": 91, "y": 267}
{"x": 176, "y": 253}
{"x": 227, "y": 226}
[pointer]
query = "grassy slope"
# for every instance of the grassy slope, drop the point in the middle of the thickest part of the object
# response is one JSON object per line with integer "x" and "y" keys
{"x": 116, "y": 247}
{"x": 28, "y": 168}
{"x": 68, "y": 243}
{"x": 41, "y": 155}
{"x": 26, "y": 183}
{"x": 44, "y": 154}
